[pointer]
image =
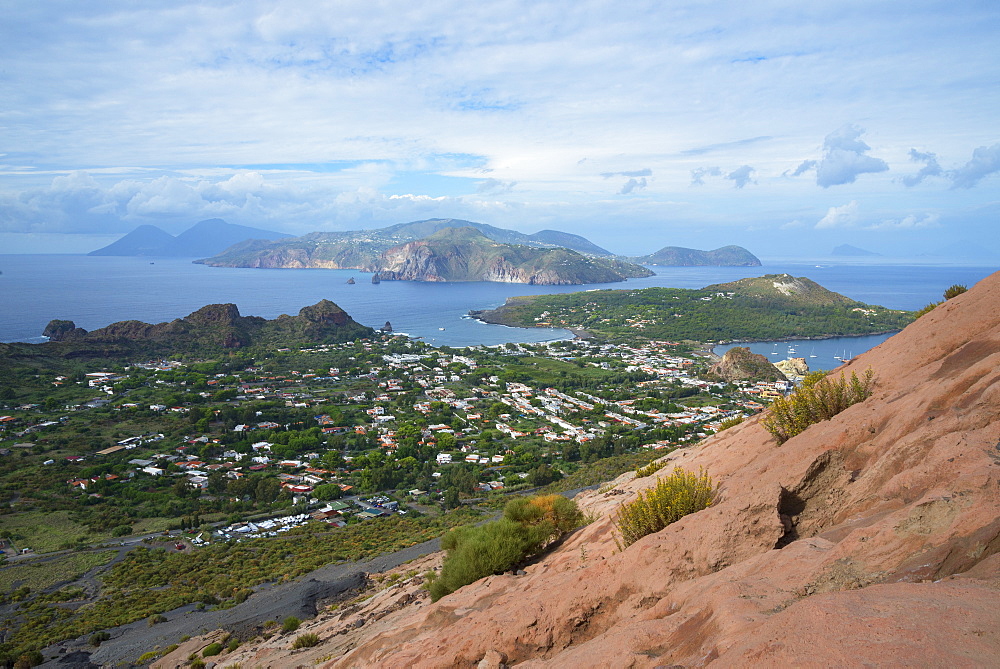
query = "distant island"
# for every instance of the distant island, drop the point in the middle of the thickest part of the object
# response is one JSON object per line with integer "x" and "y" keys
{"x": 678, "y": 256}
{"x": 848, "y": 250}
{"x": 774, "y": 306}
{"x": 441, "y": 250}
{"x": 465, "y": 254}
{"x": 382, "y": 251}
{"x": 204, "y": 238}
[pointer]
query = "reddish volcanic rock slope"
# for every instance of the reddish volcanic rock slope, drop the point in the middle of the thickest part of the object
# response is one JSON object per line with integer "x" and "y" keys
{"x": 871, "y": 538}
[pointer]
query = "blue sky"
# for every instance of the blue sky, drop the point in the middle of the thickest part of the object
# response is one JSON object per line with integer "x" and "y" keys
{"x": 786, "y": 127}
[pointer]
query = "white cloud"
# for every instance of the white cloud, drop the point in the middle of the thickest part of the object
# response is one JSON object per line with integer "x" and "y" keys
{"x": 742, "y": 176}
{"x": 910, "y": 222}
{"x": 632, "y": 185}
{"x": 931, "y": 167}
{"x": 845, "y": 216}
{"x": 698, "y": 175}
{"x": 845, "y": 158}
{"x": 314, "y": 115}
{"x": 985, "y": 161}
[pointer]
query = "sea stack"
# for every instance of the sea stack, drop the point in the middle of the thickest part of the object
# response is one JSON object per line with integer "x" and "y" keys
{"x": 350, "y": 282}
{"x": 375, "y": 278}
{"x": 387, "y": 327}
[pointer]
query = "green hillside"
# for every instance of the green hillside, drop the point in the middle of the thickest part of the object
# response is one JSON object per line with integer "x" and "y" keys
{"x": 770, "y": 307}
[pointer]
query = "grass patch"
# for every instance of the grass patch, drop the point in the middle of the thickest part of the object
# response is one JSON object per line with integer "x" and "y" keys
{"x": 604, "y": 469}
{"x": 46, "y": 531}
{"x": 305, "y": 641}
{"x": 41, "y": 574}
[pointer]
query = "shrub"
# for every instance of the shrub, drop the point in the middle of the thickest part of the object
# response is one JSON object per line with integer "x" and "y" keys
{"x": 97, "y": 638}
{"x": 817, "y": 399}
{"x": 197, "y": 663}
{"x": 233, "y": 645}
{"x": 672, "y": 498}
{"x": 730, "y": 422}
{"x": 146, "y": 658}
{"x": 926, "y": 310}
{"x": 156, "y": 618}
{"x": 955, "y": 290}
{"x": 290, "y": 624}
{"x": 649, "y": 469}
{"x": 558, "y": 511}
{"x": 305, "y": 641}
{"x": 212, "y": 649}
{"x": 527, "y": 525}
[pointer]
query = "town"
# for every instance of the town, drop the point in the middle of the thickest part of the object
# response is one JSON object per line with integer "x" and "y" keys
{"x": 306, "y": 426}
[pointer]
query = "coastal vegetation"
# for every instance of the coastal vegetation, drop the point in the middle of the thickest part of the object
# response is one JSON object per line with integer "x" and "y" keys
{"x": 768, "y": 307}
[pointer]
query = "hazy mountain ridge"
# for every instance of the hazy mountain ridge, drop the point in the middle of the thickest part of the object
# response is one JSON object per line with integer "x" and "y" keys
{"x": 849, "y": 250}
{"x": 206, "y": 237}
{"x": 361, "y": 249}
{"x": 449, "y": 252}
{"x": 678, "y": 256}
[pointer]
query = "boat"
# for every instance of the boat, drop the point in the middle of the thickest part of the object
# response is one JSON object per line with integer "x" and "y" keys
{"x": 812, "y": 353}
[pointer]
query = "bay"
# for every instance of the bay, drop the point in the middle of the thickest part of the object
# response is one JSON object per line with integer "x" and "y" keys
{"x": 95, "y": 291}
{"x": 819, "y": 354}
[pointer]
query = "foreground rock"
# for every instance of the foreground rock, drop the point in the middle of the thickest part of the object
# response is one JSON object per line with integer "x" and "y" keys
{"x": 868, "y": 539}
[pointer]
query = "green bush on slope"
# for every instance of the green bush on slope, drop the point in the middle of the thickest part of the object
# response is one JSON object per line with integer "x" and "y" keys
{"x": 527, "y": 526}
{"x": 673, "y": 497}
{"x": 817, "y": 399}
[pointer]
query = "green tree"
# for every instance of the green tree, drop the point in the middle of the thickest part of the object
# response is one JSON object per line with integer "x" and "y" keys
{"x": 327, "y": 491}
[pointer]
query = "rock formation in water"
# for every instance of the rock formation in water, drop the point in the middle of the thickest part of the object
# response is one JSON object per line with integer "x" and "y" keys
{"x": 793, "y": 368}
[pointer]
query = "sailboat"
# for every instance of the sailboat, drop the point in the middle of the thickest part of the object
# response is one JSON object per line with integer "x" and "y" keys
{"x": 812, "y": 353}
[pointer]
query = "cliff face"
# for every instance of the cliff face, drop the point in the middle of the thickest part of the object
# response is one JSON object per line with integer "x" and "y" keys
{"x": 869, "y": 538}
{"x": 465, "y": 254}
{"x": 213, "y": 325}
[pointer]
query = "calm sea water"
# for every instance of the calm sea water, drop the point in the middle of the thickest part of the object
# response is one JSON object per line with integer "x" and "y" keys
{"x": 96, "y": 291}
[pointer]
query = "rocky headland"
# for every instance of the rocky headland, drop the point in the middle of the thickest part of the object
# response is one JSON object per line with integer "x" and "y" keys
{"x": 214, "y": 325}
{"x": 868, "y": 539}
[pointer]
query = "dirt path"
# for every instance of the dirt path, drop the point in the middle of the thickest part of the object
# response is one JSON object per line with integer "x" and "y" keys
{"x": 269, "y": 602}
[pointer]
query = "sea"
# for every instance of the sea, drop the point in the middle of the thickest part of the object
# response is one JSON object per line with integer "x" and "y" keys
{"x": 93, "y": 291}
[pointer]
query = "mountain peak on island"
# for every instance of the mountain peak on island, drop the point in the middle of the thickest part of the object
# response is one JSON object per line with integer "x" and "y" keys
{"x": 207, "y": 329}
{"x": 724, "y": 256}
{"x": 848, "y": 250}
{"x": 467, "y": 254}
{"x": 204, "y": 238}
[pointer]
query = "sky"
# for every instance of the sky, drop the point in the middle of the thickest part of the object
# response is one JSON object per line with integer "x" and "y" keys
{"x": 786, "y": 127}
